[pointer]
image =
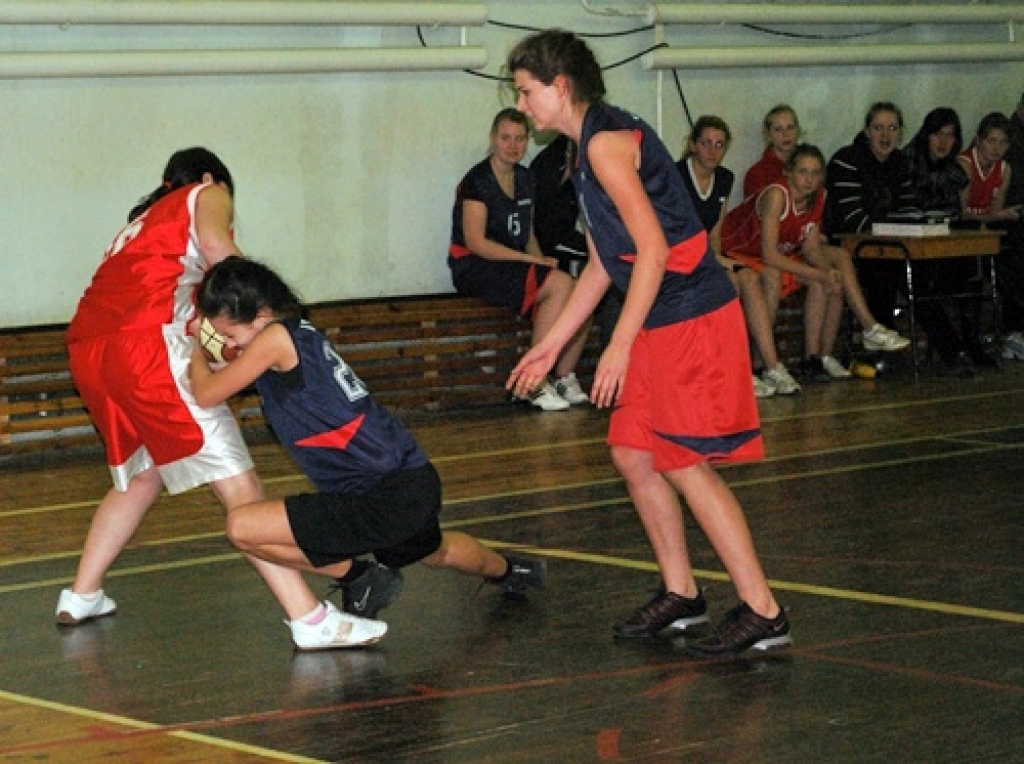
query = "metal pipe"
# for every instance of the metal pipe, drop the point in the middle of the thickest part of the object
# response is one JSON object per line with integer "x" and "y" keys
{"x": 824, "y": 55}
{"x": 241, "y": 12}
{"x": 960, "y": 13}
{"x": 159, "y": 63}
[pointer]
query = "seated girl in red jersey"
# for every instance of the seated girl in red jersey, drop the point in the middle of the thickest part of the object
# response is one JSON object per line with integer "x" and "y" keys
{"x": 781, "y": 130}
{"x": 376, "y": 489}
{"x": 984, "y": 199}
{"x": 778, "y": 234}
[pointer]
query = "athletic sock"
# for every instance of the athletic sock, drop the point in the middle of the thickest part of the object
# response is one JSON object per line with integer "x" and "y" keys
{"x": 358, "y": 568}
{"x": 315, "y": 616}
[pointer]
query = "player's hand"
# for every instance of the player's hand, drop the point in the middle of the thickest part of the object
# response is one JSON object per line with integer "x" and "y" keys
{"x": 531, "y": 371}
{"x": 610, "y": 376}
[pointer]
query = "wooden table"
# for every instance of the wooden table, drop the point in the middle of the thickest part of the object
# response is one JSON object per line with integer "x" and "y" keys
{"x": 977, "y": 243}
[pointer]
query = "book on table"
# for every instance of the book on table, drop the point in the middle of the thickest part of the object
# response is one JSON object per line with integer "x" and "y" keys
{"x": 912, "y": 224}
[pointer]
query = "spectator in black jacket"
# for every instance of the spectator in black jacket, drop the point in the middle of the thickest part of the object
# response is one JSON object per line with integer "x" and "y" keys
{"x": 939, "y": 180}
{"x": 866, "y": 181}
{"x": 556, "y": 212}
{"x": 1010, "y": 263}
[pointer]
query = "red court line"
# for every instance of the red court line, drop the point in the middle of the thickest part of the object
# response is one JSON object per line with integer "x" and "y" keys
{"x": 424, "y": 693}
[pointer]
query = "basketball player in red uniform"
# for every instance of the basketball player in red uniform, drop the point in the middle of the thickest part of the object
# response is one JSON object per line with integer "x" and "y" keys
{"x": 130, "y": 348}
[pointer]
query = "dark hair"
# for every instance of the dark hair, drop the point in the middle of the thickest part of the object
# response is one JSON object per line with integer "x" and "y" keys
{"x": 878, "y": 107}
{"x": 995, "y": 120}
{"x": 239, "y": 288}
{"x": 804, "y": 150}
{"x": 547, "y": 54}
{"x": 707, "y": 122}
{"x": 509, "y": 114}
{"x": 184, "y": 168}
{"x": 934, "y": 121}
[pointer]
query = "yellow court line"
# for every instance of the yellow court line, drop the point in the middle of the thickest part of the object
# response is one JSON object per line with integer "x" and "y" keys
{"x": 194, "y": 737}
{"x": 562, "y": 508}
{"x": 766, "y": 480}
{"x": 123, "y": 572}
{"x": 791, "y": 586}
{"x": 519, "y": 450}
{"x": 619, "y": 562}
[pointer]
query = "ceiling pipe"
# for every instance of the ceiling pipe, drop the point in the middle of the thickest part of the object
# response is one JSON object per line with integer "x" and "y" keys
{"x": 960, "y": 13}
{"x": 161, "y": 63}
{"x": 240, "y": 12}
{"x": 825, "y": 55}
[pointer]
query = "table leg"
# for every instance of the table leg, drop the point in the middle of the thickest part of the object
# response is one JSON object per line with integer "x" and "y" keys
{"x": 913, "y": 319}
{"x": 997, "y": 316}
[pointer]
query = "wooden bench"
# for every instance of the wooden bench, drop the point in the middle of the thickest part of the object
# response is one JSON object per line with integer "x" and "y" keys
{"x": 427, "y": 352}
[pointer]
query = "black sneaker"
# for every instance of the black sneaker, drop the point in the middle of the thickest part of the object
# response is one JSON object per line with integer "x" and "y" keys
{"x": 960, "y": 367}
{"x": 812, "y": 368}
{"x": 665, "y": 609}
{"x": 523, "y": 575}
{"x": 742, "y": 629}
{"x": 374, "y": 590}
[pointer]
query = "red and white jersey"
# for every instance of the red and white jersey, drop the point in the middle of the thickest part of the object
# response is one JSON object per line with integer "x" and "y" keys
{"x": 149, "y": 273}
{"x": 741, "y": 229}
{"x": 984, "y": 186}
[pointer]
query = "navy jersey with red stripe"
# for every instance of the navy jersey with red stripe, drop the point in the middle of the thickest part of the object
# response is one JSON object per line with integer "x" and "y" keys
{"x": 343, "y": 440}
{"x": 707, "y": 206}
{"x": 694, "y": 283}
{"x": 508, "y": 220}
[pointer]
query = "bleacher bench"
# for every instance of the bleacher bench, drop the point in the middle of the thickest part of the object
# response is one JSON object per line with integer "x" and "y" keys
{"x": 427, "y": 352}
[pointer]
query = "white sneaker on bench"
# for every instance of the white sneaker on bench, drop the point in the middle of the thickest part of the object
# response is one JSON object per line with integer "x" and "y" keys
{"x": 568, "y": 388}
{"x": 546, "y": 399}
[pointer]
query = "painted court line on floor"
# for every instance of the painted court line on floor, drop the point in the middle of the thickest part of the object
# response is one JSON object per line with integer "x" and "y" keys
{"x": 136, "y": 725}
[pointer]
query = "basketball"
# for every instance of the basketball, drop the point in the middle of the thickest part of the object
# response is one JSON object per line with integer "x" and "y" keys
{"x": 215, "y": 346}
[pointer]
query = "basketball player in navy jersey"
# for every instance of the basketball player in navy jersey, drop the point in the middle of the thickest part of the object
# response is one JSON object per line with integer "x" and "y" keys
{"x": 677, "y": 368}
{"x": 377, "y": 491}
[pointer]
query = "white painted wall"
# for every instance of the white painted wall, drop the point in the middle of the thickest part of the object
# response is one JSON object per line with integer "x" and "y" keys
{"x": 345, "y": 181}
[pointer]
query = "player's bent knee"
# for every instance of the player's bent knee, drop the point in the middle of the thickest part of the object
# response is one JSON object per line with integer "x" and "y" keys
{"x": 239, "y": 529}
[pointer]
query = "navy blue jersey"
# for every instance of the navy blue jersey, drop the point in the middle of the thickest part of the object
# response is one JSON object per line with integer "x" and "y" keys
{"x": 508, "y": 220}
{"x": 343, "y": 440}
{"x": 694, "y": 283}
{"x": 708, "y": 206}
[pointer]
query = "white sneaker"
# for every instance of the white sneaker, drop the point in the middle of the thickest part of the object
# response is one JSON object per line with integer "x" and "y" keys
{"x": 781, "y": 380}
{"x": 547, "y": 399}
{"x": 880, "y": 338}
{"x": 835, "y": 369}
{"x": 336, "y": 630}
{"x": 1013, "y": 346}
{"x": 762, "y": 389}
{"x": 73, "y": 608}
{"x": 568, "y": 387}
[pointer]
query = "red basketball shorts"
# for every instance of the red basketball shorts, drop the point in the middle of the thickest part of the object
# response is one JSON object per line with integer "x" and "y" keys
{"x": 688, "y": 395}
{"x": 135, "y": 385}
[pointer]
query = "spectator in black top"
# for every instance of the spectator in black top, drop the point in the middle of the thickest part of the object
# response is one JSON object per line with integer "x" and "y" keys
{"x": 556, "y": 212}
{"x": 1010, "y": 263}
{"x": 710, "y": 186}
{"x": 708, "y": 182}
{"x": 939, "y": 180}
{"x": 866, "y": 181}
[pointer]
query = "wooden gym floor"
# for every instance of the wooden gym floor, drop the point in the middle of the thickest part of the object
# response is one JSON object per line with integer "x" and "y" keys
{"x": 887, "y": 514}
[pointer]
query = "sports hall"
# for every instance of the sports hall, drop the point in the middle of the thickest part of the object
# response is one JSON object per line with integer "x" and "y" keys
{"x": 886, "y": 513}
